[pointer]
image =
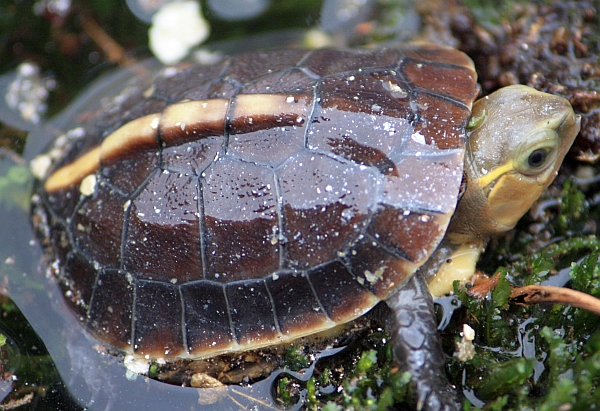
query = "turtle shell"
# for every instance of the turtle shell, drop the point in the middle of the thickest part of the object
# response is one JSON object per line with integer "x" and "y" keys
{"x": 247, "y": 203}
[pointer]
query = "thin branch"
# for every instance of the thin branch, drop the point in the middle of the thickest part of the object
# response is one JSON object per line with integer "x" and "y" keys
{"x": 536, "y": 294}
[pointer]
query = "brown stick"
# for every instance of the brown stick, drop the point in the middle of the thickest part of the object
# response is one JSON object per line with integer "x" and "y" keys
{"x": 535, "y": 294}
{"x": 111, "y": 48}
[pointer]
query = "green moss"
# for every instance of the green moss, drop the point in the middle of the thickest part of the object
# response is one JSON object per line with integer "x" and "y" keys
{"x": 542, "y": 357}
{"x": 15, "y": 188}
{"x": 373, "y": 384}
{"x": 505, "y": 378}
{"x": 296, "y": 359}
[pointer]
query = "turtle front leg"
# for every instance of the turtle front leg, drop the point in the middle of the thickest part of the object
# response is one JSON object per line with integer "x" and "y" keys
{"x": 417, "y": 348}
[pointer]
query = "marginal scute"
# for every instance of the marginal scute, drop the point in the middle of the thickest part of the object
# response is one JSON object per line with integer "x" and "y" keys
{"x": 448, "y": 81}
{"x": 252, "y": 66}
{"x": 441, "y": 121}
{"x": 411, "y": 235}
{"x": 206, "y": 317}
{"x": 158, "y": 335}
{"x": 251, "y": 313}
{"x": 333, "y": 283}
{"x": 111, "y": 308}
{"x": 78, "y": 277}
{"x": 378, "y": 268}
{"x": 297, "y": 308}
{"x": 326, "y": 62}
{"x": 429, "y": 53}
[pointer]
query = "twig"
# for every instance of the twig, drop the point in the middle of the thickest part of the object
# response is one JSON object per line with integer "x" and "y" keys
{"x": 536, "y": 294}
{"x": 111, "y": 48}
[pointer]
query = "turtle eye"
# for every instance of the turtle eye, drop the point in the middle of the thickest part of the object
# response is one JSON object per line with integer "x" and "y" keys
{"x": 537, "y": 152}
{"x": 537, "y": 158}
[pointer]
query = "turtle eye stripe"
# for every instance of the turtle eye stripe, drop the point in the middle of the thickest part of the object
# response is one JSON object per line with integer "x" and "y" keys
{"x": 487, "y": 179}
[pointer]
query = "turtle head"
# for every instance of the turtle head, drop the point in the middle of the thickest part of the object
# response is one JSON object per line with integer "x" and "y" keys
{"x": 516, "y": 142}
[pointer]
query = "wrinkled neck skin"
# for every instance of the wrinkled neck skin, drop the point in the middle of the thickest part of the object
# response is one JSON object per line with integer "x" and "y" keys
{"x": 512, "y": 129}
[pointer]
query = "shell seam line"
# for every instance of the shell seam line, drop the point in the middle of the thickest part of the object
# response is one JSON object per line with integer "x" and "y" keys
{"x": 312, "y": 288}
{"x": 134, "y": 294}
{"x": 201, "y": 225}
{"x": 349, "y": 268}
{"x": 273, "y": 310}
{"x": 183, "y": 322}
{"x": 231, "y": 327}
{"x": 444, "y": 97}
{"x": 311, "y": 116}
{"x": 280, "y": 222}
{"x": 124, "y": 231}
{"x": 397, "y": 254}
{"x": 88, "y": 311}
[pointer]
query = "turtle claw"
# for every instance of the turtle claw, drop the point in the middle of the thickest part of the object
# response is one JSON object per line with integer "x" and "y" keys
{"x": 417, "y": 348}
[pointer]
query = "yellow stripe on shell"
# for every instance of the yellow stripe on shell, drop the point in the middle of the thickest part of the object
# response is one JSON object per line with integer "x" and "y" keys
{"x": 74, "y": 172}
{"x": 140, "y": 132}
{"x": 249, "y": 105}
{"x": 190, "y": 117}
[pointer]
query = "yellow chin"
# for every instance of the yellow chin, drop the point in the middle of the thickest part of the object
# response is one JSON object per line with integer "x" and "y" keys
{"x": 511, "y": 197}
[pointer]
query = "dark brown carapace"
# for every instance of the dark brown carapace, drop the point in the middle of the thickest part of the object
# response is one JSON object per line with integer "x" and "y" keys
{"x": 250, "y": 202}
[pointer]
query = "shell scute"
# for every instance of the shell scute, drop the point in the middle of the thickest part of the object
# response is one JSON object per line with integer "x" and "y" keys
{"x": 295, "y": 303}
{"x": 97, "y": 226}
{"x": 110, "y": 314}
{"x": 332, "y": 283}
{"x": 241, "y": 221}
{"x": 207, "y": 323}
{"x": 163, "y": 216}
{"x": 158, "y": 335}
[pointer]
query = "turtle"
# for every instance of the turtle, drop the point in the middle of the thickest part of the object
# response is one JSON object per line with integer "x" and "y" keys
{"x": 275, "y": 194}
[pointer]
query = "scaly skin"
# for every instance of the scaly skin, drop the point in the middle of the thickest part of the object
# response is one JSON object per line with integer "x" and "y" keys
{"x": 417, "y": 348}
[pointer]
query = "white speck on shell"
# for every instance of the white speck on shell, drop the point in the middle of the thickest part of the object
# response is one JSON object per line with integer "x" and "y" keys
{"x": 88, "y": 185}
{"x": 154, "y": 123}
